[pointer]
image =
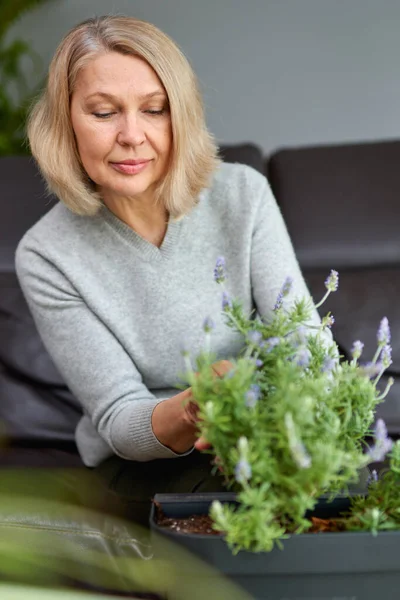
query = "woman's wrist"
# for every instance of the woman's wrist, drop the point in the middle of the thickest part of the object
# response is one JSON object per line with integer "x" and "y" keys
{"x": 174, "y": 422}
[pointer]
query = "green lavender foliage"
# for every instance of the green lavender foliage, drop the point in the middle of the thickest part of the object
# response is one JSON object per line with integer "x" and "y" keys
{"x": 287, "y": 423}
{"x": 380, "y": 509}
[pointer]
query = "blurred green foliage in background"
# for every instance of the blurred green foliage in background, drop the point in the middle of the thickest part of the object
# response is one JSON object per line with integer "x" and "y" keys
{"x": 15, "y": 93}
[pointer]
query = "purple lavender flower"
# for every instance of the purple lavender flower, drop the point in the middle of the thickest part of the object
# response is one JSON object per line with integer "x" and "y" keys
{"x": 253, "y": 395}
{"x": 383, "y": 335}
{"x": 285, "y": 289}
{"x": 279, "y": 301}
{"x": 332, "y": 282}
{"x": 303, "y": 357}
{"x": 380, "y": 432}
{"x": 254, "y": 337}
{"x": 287, "y": 286}
{"x": 208, "y": 325}
{"x": 242, "y": 471}
{"x": 328, "y": 365}
{"x": 270, "y": 343}
{"x": 378, "y": 452}
{"x": 219, "y": 270}
{"x": 357, "y": 349}
{"x": 371, "y": 369}
{"x": 383, "y": 444}
{"x": 226, "y": 301}
{"x": 386, "y": 356}
{"x": 257, "y": 362}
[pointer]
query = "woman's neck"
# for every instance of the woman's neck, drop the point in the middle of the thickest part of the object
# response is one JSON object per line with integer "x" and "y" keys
{"x": 150, "y": 221}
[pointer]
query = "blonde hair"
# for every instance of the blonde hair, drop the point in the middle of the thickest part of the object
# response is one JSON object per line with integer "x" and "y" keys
{"x": 194, "y": 154}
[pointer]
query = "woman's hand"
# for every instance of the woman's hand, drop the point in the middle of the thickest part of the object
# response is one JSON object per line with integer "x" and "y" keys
{"x": 174, "y": 421}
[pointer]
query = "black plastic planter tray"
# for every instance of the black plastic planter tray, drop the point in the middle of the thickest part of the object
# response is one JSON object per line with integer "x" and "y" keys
{"x": 323, "y": 566}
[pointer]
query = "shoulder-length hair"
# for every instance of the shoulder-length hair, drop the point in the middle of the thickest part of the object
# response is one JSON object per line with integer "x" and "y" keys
{"x": 194, "y": 155}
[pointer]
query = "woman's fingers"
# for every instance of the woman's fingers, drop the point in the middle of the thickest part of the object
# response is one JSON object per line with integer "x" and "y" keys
{"x": 202, "y": 444}
{"x": 222, "y": 367}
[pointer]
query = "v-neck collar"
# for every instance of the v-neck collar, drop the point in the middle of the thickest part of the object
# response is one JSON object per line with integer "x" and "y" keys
{"x": 148, "y": 250}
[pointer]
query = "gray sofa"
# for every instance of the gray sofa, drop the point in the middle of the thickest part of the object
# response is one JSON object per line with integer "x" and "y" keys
{"x": 341, "y": 205}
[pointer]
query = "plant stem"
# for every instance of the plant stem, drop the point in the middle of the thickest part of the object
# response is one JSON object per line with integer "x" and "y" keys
{"x": 377, "y": 353}
{"x": 386, "y": 390}
{"x": 320, "y": 303}
{"x": 379, "y": 376}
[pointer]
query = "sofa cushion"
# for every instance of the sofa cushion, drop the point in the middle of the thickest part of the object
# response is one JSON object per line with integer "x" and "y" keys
{"x": 35, "y": 414}
{"x": 35, "y": 404}
{"x": 340, "y": 203}
{"x": 364, "y": 297}
{"x": 21, "y": 348}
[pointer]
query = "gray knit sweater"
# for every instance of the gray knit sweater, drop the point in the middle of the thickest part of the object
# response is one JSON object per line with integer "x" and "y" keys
{"x": 115, "y": 311}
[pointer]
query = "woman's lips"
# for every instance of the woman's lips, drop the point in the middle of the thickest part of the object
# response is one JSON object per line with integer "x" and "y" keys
{"x": 130, "y": 168}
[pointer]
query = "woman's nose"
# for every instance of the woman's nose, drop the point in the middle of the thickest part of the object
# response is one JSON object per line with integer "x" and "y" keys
{"x": 131, "y": 131}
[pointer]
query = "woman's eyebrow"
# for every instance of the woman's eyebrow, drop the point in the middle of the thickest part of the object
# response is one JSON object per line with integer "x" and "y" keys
{"x": 109, "y": 96}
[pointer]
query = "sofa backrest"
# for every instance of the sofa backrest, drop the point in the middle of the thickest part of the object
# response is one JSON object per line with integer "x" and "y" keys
{"x": 23, "y": 200}
{"x": 341, "y": 203}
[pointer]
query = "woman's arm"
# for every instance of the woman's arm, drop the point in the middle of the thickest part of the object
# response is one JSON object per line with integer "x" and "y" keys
{"x": 102, "y": 376}
{"x": 94, "y": 364}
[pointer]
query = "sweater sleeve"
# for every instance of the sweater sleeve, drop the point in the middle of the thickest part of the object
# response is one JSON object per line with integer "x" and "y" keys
{"x": 91, "y": 360}
{"x": 273, "y": 258}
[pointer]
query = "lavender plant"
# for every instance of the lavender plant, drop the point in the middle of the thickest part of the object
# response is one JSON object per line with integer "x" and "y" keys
{"x": 288, "y": 422}
{"x": 379, "y": 510}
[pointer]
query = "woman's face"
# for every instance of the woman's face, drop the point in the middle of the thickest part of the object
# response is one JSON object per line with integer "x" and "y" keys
{"x": 122, "y": 125}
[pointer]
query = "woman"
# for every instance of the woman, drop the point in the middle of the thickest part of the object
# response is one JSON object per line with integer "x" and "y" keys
{"x": 119, "y": 275}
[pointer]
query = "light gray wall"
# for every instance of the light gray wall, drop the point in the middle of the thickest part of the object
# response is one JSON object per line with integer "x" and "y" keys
{"x": 277, "y": 72}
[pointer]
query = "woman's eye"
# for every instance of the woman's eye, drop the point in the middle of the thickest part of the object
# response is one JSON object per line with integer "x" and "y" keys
{"x": 155, "y": 112}
{"x": 150, "y": 111}
{"x": 103, "y": 115}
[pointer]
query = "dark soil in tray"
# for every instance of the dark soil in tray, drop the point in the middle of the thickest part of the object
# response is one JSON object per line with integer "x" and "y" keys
{"x": 195, "y": 524}
{"x": 202, "y": 524}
